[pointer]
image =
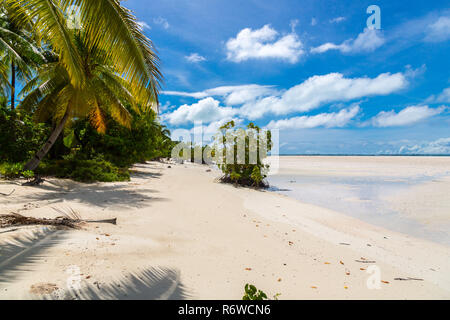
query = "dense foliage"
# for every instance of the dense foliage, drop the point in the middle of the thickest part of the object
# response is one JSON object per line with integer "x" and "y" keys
{"x": 89, "y": 93}
{"x": 20, "y": 136}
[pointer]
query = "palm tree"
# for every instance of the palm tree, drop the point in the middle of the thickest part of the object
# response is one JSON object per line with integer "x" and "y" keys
{"x": 124, "y": 62}
{"x": 18, "y": 55}
{"x": 51, "y": 95}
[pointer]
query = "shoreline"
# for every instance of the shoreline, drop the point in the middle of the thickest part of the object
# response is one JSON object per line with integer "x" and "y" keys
{"x": 185, "y": 236}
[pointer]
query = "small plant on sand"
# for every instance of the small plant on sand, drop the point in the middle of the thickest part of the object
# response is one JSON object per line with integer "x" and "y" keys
{"x": 251, "y": 293}
{"x": 240, "y": 153}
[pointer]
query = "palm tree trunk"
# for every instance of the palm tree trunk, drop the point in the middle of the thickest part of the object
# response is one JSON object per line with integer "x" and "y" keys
{"x": 13, "y": 85}
{"x": 34, "y": 163}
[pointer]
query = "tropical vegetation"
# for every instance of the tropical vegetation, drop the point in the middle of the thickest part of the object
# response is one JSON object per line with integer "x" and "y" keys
{"x": 89, "y": 82}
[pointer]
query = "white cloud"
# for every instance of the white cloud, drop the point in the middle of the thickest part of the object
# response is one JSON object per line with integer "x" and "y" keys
{"x": 212, "y": 128}
{"x": 319, "y": 90}
{"x": 206, "y": 110}
{"x": 439, "y": 30}
{"x": 407, "y": 116}
{"x": 328, "y": 120}
{"x": 195, "y": 57}
{"x": 264, "y": 43}
{"x": 367, "y": 41}
{"x": 444, "y": 96}
{"x": 162, "y": 22}
{"x": 143, "y": 25}
{"x": 234, "y": 95}
{"x": 440, "y": 146}
{"x": 338, "y": 19}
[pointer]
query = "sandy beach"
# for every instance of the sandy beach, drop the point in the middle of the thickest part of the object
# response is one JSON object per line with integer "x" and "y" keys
{"x": 182, "y": 235}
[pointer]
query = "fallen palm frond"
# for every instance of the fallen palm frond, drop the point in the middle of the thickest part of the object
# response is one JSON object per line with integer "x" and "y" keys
{"x": 15, "y": 219}
{"x": 69, "y": 218}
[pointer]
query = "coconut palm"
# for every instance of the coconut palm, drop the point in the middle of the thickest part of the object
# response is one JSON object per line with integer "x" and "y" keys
{"x": 51, "y": 95}
{"x": 107, "y": 26}
{"x": 125, "y": 62}
{"x": 18, "y": 55}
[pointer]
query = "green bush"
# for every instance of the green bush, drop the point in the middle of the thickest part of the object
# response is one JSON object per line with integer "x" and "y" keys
{"x": 84, "y": 170}
{"x": 146, "y": 140}
{"x": 20, "y": 137}
{"x": 243, "y": 171}
{"x": 11, "y": 170}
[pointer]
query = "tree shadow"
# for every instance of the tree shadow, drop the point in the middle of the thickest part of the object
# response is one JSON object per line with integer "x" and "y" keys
{"x": 100, "y": 195}
{"x": 148, "y": 284}
{"x": 20, "y": 253}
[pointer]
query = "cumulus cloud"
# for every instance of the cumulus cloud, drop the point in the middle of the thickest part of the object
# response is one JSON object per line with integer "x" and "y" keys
{"x": 233, "y": 95}
{"x": 407, "y": 116}
{"x": 439, "y": 30}
{"x": 319, "y": 90}
{"x": 327, "y": 120}
{"x": 264, "y": 43}
{"x": 367, "y": 41}
{"x": 195, "y": 57}
{"x": 440, "y": 146}
{"x": 206, "y": 110}
{"x": 162, "y": 22}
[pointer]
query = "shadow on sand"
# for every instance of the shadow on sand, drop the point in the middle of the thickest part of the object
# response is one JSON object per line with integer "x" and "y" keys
{"x": 149, "y": 284}
{"x": 19, "y": 254}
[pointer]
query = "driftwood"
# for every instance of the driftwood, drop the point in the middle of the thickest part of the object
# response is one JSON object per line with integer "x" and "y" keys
{"x": 365, "y": 261}
{"x": 112, "y": 221}
{"x": 408, "y": 279}
{"x": 8, "y": 194}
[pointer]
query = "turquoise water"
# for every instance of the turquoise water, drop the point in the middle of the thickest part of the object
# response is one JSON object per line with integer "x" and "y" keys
{"x": 360, "y": 197}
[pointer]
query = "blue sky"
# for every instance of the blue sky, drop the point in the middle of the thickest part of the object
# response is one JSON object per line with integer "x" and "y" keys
{"x": 311, "y": 69}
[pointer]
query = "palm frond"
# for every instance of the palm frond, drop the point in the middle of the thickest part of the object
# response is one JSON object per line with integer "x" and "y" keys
{"x": 49, "y": 21}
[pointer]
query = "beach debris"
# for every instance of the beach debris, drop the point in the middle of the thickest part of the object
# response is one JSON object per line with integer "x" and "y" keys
{"x": 345, "y": 287}
{"x": 362, "y": 269}
{"x": 386, "y": 282}
{"x": 15, "y": 219}
{"x": 279, "y": 280}
{"x": 347, "y": 272}
{"x": 169, "y": 167}
{"x": 313, "y": 287}
{"x": 369, "y": 245}
{"x": 408, "y": 279}
{"x": 208, "y": 170}
{"x": 341, "y": 262}
{"x": 344, "y": 244}
{"x": 248, "y": 269}
{"x": 8, "y": 194}
{"x": 290, "y": 243}
{"x": 327, "y": 263}
{"x": 364, "y": 260}
{"x": 69, "y": 218}
{"x": 43, "y": 288}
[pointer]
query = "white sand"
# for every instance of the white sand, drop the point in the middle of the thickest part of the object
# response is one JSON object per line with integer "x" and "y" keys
{"x": 182, "y": 235}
